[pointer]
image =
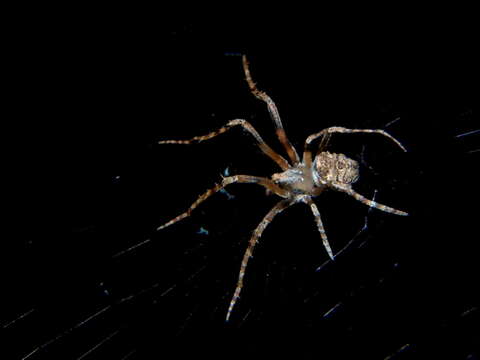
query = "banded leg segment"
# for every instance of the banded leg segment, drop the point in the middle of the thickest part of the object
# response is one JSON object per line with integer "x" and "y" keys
{"x": 272, "y": 109}
{"x": 267, "y": 183}
{"x": 277, "y": 209}
{"x": 320, "y": 227}
{"x": 246, "y": 126}
{"x": 307, "y": 155}
{"x": 348, "y": 190}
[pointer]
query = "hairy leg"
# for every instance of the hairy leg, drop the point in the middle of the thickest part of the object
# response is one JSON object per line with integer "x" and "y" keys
{"x": 320, "y": 227}
{"x": 272, "y": 109}
{"x": 307, "y": 155}
{"x": 277, "y": 209}
{"x": 348, "y": 190}
{"x": 246, "y": 126}
{"x": 324, "y": 142}
{"x": 267, "y": 183}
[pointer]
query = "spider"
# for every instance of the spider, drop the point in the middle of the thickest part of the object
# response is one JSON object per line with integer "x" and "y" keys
{"x": 299, "y": 181}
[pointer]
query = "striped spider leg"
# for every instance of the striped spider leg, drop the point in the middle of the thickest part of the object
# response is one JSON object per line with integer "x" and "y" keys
{"x": 245, "y": 179}
{"x": 267, "y": 150}
{"x": 277, "y": 209}
{"x": 272, "y": 109}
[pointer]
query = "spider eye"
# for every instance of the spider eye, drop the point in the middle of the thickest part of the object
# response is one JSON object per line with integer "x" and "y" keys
{"x": 340, "y": 165}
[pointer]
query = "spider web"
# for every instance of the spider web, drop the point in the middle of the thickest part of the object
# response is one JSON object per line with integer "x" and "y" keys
{"x": 114, "y": 288}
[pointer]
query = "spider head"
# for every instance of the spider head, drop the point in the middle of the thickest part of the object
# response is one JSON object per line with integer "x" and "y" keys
{"x": 331, "y": 167}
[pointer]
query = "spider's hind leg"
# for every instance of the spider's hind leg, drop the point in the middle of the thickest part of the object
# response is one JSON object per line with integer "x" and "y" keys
{"x": 326, "y": 133}
{"x": 348, "y": 190}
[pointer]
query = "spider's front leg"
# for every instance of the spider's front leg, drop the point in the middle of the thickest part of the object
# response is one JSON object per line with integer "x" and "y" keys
{"x": 267, "y": 150}
{"x": 267, "y": 183}
{"x": 272, "y": 109}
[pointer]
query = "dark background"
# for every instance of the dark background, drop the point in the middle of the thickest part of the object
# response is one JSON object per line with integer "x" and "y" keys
{"x": 93, "y": 93}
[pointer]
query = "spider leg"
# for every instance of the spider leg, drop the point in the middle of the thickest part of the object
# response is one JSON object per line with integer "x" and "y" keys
{"x": 307, "y": 154}
{"x": 323, "y": 145}
{"x": 277, "y": 209}
{"x": 348, "y": 190}
{"x": 272, "y": 109}
{"x": 246, "y": 126}
{"x": 320, "y": 227}
{"x": 324, "y": 142}
{"x": 267, "y": 183}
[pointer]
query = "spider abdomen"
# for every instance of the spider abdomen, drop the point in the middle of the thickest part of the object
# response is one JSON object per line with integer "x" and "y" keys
{"x": 331, "y": 167}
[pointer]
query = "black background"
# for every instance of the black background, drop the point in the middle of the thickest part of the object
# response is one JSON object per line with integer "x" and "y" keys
{"x": 93, "y": 93}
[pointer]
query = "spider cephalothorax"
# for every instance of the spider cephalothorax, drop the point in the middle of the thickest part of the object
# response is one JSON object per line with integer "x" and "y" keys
{"x": 299, "y": 181}
{"x": 296, "y": 181}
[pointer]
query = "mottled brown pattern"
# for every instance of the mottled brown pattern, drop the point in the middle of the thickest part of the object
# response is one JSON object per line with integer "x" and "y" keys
{"x": 298, "y": 182}
{"x": 336, "y": 168}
